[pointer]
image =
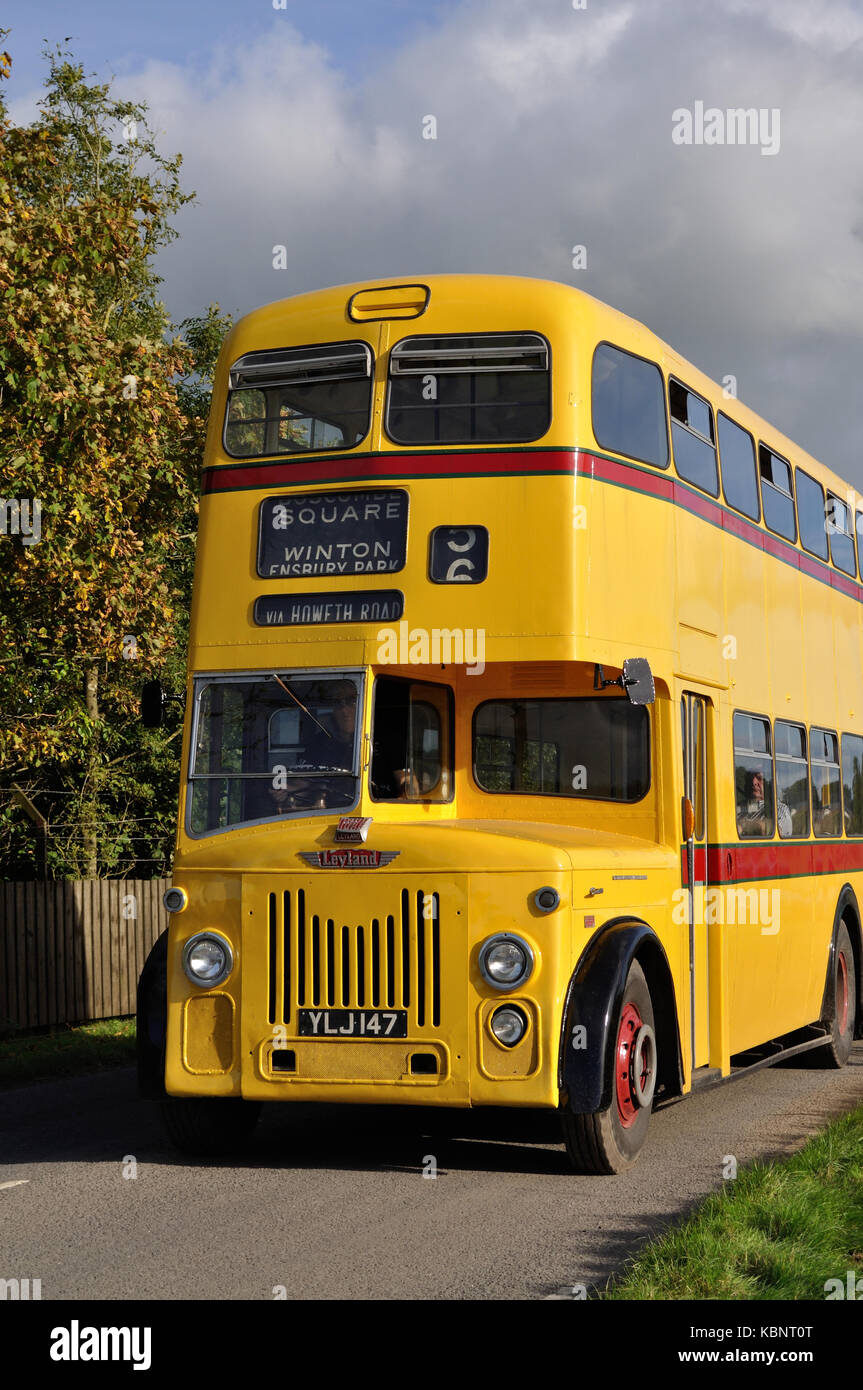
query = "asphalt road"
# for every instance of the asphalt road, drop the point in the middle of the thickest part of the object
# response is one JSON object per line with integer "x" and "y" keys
{"x": 332, "y": 1203}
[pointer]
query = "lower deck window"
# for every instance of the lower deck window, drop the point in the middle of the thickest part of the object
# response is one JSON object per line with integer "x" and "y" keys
{"x": 273, "y": 745}
{"x": 753, "y": 777}
{"x": 594, "y": 748}
{"x": 411, "y": 741}
{"x": 826, "y": 795}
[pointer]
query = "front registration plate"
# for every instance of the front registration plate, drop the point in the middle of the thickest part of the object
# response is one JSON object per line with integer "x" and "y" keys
{"x": 353, "y": 1023}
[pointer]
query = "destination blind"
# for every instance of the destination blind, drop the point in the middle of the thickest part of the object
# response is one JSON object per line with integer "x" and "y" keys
{"x": 296, "y": 610}
{"x": 333, "y": 533}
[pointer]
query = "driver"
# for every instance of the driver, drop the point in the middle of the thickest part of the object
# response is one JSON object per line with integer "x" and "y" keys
{"x": 335, "y": 748}
{"x": 328, "y": 749}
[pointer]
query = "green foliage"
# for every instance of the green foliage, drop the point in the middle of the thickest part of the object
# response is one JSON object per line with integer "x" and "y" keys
{"x": 104, "y": 410}
{"x": 778, "y": 1231}
{"x": 66, "y": 1051}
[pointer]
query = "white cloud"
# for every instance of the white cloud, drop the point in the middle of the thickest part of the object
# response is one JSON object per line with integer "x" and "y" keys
{"x": 554, "y": 128}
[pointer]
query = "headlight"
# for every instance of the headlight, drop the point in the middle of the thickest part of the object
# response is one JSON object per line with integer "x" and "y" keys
{"x": 508, "y": 1025}
{"x": 174, "y": 899}
{"x": 207, "y": 959}
{"x": 505, "y": 961}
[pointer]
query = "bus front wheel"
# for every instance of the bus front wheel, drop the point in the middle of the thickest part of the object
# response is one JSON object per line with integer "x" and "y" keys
{"x": 841, "y": 1013}
{"x": 609, "y": 1141}
{"x": 209, "y": 1126}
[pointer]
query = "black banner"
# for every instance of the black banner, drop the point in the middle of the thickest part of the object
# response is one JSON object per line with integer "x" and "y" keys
{"x": 333, "y": 533}
{"x": 296, "y": 610}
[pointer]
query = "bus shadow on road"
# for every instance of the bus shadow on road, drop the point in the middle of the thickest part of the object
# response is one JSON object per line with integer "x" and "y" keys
{"x": 370, "y": 1139}
{"x": 95, "y": 1118}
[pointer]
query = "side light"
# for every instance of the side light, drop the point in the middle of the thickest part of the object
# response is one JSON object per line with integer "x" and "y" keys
{"x": 508, "y": 1024}
{"x": 546, "y": 899}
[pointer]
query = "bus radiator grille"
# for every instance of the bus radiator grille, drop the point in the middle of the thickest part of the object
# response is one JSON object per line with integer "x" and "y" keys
{"x": 389, "y": 962}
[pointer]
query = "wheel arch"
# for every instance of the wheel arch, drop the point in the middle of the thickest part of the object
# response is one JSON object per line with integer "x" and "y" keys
{"x": 593, "y": 1000}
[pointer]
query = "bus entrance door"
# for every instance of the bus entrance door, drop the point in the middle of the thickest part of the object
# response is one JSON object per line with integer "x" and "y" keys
{"x": 694, "y": 711}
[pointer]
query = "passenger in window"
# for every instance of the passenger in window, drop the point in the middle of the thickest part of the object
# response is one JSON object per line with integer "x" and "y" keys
{"x": 753, "y": 816}
{"x": 825, "y": 819}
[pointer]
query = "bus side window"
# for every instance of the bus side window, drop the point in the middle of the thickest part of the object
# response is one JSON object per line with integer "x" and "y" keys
{"x": 852, "y": 779}
{"x": 811, "y": 515}
{"x": 777, "y": 498}
{"x": 753, "y": 777}
{"x": 839, "y": 530}
{"x": 628, "y": 406}
{"x": 826, "y": 800}
{"x": 737, "y": 465}
{"x": 792, "y": 779}
{"x": 693, "y": 438}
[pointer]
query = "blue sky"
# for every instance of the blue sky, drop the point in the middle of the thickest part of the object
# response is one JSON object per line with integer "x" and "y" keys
{"x": 117, "y": 36}
{"x": 303, "y": 127}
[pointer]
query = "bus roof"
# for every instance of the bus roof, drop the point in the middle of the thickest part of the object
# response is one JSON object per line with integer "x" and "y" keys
{"x": 522, "y": 296}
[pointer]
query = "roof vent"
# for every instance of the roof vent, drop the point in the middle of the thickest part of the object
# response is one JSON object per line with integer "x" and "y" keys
{"x": 389, "y": 302}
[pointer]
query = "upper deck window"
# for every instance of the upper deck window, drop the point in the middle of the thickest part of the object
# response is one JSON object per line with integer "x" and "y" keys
{"x": 481, "y": 388}
{"x": 777, "y": 497}
{"x": 628, "y": 402}
{"x": 299, "y": 400}
{"x": 839, "y": 530}
{"x": 811, "y": 515}
{"x": 737, "y": 457}
{"x": 693, "y": 438}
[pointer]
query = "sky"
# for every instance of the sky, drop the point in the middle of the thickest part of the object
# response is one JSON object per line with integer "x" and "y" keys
{"x": 306, "y": 126}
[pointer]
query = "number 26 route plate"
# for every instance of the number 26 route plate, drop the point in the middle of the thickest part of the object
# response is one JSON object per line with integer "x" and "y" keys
{"x": 353, "y": 1023}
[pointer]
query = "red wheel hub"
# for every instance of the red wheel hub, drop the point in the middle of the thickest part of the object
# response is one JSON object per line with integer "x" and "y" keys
{"x": 627, "y": 1105}
{"x": 842, "y": 992}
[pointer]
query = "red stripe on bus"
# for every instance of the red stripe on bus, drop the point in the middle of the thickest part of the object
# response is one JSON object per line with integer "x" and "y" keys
{"x": 741, "y": 863}
{"x": 524, "y": 462}
{"x": 366, "y": 467}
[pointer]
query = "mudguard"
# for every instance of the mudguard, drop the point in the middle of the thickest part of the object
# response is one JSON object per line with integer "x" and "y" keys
{"x": 152, "y": 1020}
{"x": 593, "y": 1001}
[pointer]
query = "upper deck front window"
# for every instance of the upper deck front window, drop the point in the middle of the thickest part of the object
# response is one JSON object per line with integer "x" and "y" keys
{"x": 480, "y": 388}
{"x": 299, "y": 400}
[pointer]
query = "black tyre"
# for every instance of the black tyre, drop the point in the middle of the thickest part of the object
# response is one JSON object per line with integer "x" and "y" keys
{"x": 209, "y": 1126}
{"x": 609, "y": 1141}
{"x": 841, "y": 1011}
{"x": 152, "y": 1021}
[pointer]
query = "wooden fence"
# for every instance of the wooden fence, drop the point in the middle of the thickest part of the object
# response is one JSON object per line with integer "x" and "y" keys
{"x": 73, "y": 950}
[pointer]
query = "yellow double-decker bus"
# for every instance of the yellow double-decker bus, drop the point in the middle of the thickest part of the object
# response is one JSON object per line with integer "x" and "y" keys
{"x": 523, "y": 745}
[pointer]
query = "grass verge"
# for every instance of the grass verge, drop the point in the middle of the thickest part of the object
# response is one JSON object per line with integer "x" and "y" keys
{"x": 66, "y": 1051}
{"x": 778, "y": 1231}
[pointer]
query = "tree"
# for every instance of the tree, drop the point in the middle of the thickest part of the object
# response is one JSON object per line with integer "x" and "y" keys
{"x": 102, "y": 425}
